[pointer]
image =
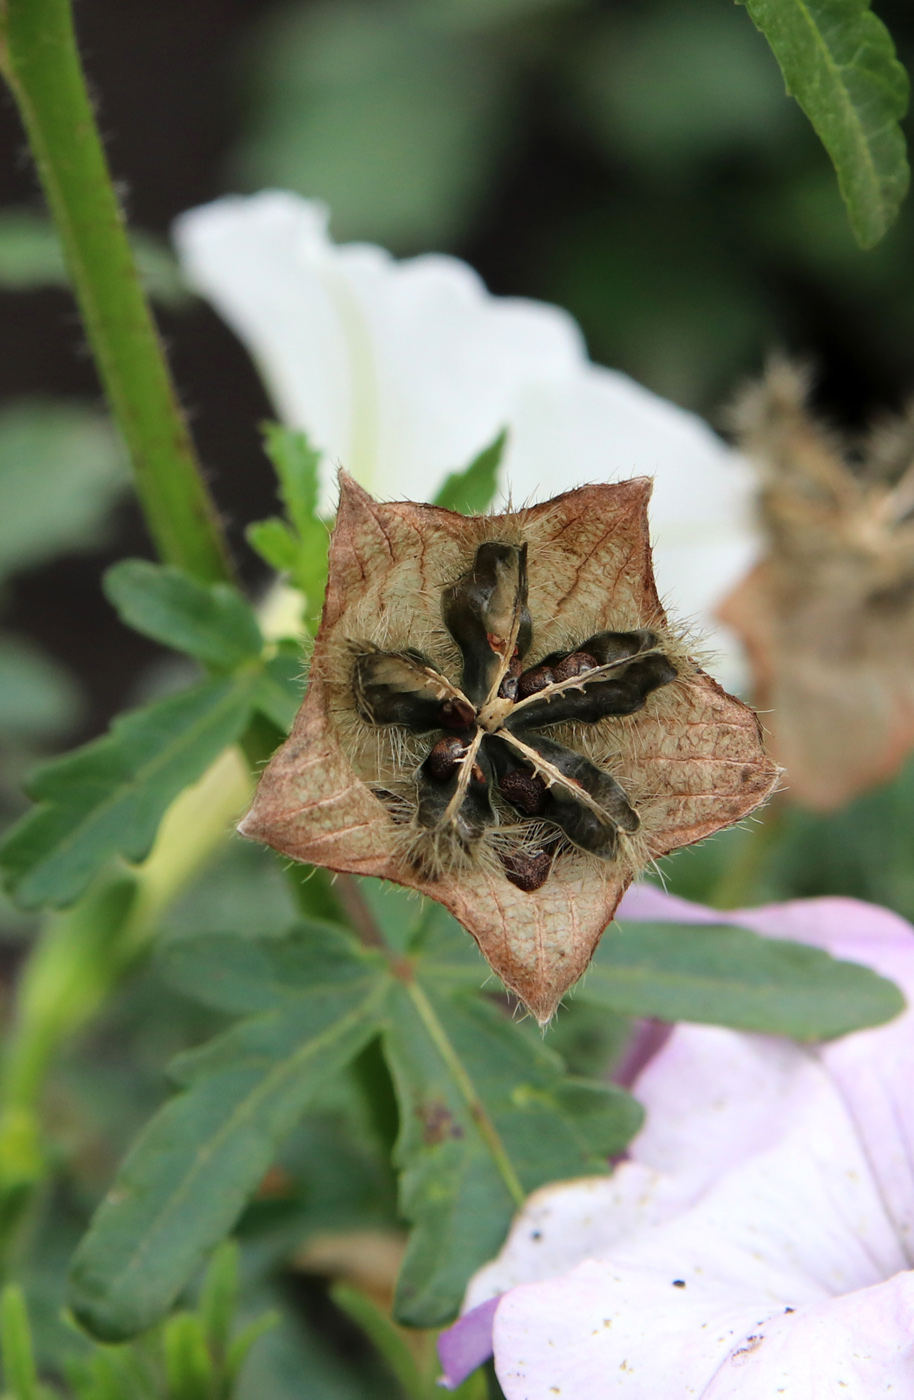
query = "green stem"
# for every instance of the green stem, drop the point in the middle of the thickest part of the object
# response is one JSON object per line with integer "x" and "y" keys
{"x": 40, "y": 60}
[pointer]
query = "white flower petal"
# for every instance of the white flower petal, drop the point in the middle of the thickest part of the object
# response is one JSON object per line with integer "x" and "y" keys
{"x": 404, "y": 371}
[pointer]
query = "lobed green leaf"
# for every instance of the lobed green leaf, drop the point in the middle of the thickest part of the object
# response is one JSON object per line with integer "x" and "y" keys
{"x": 193, "y": 1168}
{"x": 211, "y": 622}
{"x": 472, "y": 490}
{"x": 730, "y": 977}
{"x": 486, "y": 1116}
{"x": 839, "y": 62}
{"x": 299, "y": 551}
{"x": 107, "y": 798}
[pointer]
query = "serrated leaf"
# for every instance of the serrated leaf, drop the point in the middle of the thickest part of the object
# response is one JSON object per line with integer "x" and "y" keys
{"x": 839, "y": 62}
{"x": 209, "y": 621}
{"x": 107, "y": 798}
{"x": 243, "y": 975}
{"x": 302, "y": 551}
{"x": 730, "y": 977}
{"x": 61, "y": 469}
{"x": 275, "y": 543}
{"x": 486, "y": 1116}
{"x": 472, "y": 491}
{"x": 193, "y": 1168}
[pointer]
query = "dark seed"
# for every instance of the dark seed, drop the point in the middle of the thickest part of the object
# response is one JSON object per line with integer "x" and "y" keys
{"x": 444, "y": 758}
{"x": 575, "y": 664}
{"x": 537, "y": 678}
{"x": 528, "y": 872}
{"x": 456, "y": 714}
{"x": 525, "y": 790}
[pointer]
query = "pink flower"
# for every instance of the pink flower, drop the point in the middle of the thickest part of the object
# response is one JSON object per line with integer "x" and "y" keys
{"x": 759, "y": 1242}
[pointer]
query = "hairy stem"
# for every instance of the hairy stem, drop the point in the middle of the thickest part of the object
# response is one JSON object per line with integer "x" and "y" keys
{"x": 40, "y": 60}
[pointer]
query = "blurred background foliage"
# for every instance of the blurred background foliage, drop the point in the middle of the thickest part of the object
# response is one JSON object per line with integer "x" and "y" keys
{"x": 633, "y": 160}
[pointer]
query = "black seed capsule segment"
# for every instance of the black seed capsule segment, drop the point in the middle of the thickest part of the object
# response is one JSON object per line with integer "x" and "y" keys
{"x": 404, "y": 688}
{"x": 437, "y": 789}
{"x": 624, "y": 692}
{"x": 482, "y": 610}
{"x": 583, "y": 800}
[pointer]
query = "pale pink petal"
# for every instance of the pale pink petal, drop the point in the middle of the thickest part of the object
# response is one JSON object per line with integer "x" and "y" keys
{"x": 873, "y": 1069}
{"x": 606, "y": 1330}
{"x": 561, "y": 1225}
{"x": 860, "y": 1346}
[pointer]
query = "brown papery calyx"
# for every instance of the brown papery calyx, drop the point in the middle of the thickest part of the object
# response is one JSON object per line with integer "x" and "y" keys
{"x": 827, "y": 616}
{"x": 500, "y": 716}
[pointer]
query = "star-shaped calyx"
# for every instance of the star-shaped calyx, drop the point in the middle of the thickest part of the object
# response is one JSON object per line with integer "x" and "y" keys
{"x": 492, "y": 742}
{"x": 499, "y": 715}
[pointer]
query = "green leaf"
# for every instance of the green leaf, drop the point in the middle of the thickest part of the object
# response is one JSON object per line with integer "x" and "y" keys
{"x": 298, "y": 548}
{"x": 108, "y": 798}
{"x": 472, "y": 491}
{"x": 219, "y": 1297}
{"x": 61, "y": 469}
{"x": 209, "y": 621}
{"x": 486, "y": 1116}
{"x": 240, "y": 1346}
{"x": 188, "y": 1366}
{"x": 386, "y": 1339}
{"x": 730, "y": 977}
{"x": 275, "y": 543}
{"x": 16, "y": 1340}
{"x": 193, "y": 1168}
{"x": 296, "y": 464}
{"x": 31, "y": 257}
{"x": 839, "y": 62}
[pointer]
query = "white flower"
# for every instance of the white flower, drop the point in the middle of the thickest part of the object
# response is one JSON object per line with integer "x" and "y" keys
{"x": 760, "y": 1241}
{"x": 403, "y": 371}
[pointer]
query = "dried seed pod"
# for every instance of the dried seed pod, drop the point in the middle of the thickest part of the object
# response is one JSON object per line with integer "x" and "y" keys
{"x": 508, "y": 690}
{"x": 622, "y": 694}
{"x": 443, "y": 808}
{"x": 583, "y": 800}
{"x": 486, "y": 613}
{"x": 403, "y": 688}
{"x": 338, "y": 793}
